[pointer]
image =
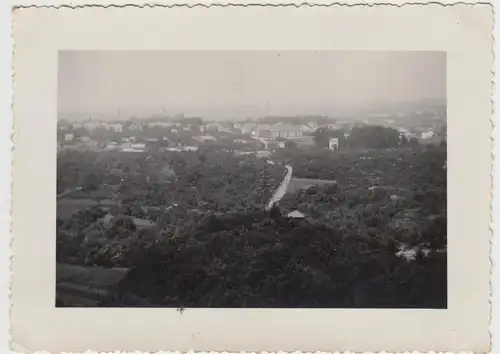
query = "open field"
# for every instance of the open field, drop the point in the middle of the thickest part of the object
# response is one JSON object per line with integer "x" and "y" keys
{"x": 297, "y": 184}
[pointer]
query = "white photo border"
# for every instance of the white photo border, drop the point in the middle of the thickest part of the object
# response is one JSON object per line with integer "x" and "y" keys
{"x": 38, "y": 32}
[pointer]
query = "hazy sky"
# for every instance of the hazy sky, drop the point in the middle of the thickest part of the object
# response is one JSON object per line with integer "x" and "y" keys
{"x": 239, "y": 84}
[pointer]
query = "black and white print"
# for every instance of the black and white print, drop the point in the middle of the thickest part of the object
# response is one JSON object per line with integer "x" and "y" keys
{"x": 251, "y": 179}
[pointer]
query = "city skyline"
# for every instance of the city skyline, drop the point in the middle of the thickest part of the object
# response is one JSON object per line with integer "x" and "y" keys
{"x": 238, "y": 85}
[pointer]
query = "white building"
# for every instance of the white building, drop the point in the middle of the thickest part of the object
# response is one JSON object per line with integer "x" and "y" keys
{"x": 269, "y": 144}
{"x": 240, "y": 141}
{"x": 279, "y": 131}
{"x": 112, "y": 146}
{"x": 333, "y": 143}
{"x": 160, "y": 124}
{"x": 135, "y": 126}
{"x": 204, "y": 138}
{"x": 404, "y": 132}
{"x": 117, "y": 127}
{"x": 427, "y": 135}
{"x": 133, "y": 147}
{"x": 296, "y": 215}
{"x": 247, "y": 128}
{"x": 138, "y": 146}
{"x": 69, "y": 137}
{"x": 262, "y": 153}
{"x": 306, "y": 129}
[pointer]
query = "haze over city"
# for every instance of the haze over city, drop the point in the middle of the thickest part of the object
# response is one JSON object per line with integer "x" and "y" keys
{"x": 252, "y": 180}
{"x": 235, "y": 85}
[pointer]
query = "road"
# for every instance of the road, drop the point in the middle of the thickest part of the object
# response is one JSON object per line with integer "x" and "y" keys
{"x": 292, "y": 185}
{"x": 282, "y": 188}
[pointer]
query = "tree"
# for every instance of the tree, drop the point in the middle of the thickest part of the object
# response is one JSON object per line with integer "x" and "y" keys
{"x": 323, "y": 135}
{"x": 291, "y": 145}
{"x": 81, "y": 132}
{"x": 413, "y": 142}
{"x": 90, "y": 183}
{"x": 275, "y": 211}
{"x": 373, "y": 136}
{"x": 166, "y": 173}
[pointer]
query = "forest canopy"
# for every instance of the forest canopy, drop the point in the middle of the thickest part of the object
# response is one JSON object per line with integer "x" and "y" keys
{"x": 210, "y": 243}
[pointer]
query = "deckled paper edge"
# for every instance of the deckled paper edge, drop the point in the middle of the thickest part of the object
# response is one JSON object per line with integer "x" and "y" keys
{"x": 6, "y": 167}
{"x": 244, "y": 352}
{"x": 218, "y": 3}
{"x": 494, "y": 168}
{"x": 17, "y": 349}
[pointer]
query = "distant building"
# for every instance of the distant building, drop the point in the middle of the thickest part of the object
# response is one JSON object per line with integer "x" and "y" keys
{"x": 404, "y": 132}
{"x": 312, "y": 125}
{"x": 133, "y": 147}
{"x": 112, "y": 146}
{"x": 160, "y": 124}
{"x": 117, "y": 127}
{"x": 138, "y": 146}
{"x": 333, "y": 143}
{"x": 279, "y": 131}
{"x": 259, "y": 154}
{"x": 296, "y": 215}
{"x": 135, "y": 126}
{"x": 69, "y": 137}
{"x": 247, "y": 128}
{"x": 213, "y": 127}
{"x": 240, "y": 141}
{"x": 304, "y": 141}
{"x": 262, "y": 153}
{"x": 306, "y": 129}
{"x": 427, "y": 135}
{"x": 204, "y": 138}
{"x": 243, "y": 153}
{"x": 273, "y": 144}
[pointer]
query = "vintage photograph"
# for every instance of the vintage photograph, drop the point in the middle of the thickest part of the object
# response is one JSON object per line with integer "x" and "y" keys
{"x": 252, "y": 178}
{"x": 242, "y": 179}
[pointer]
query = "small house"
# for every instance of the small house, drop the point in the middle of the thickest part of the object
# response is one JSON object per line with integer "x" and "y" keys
{"x": 296, "y": 215}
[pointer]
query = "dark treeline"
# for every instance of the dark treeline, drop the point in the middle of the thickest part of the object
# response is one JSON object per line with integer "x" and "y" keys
{"x": 231, "y": 253}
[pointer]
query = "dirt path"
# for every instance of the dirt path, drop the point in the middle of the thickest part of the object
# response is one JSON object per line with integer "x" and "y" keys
{"x": 280, "y": 192}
